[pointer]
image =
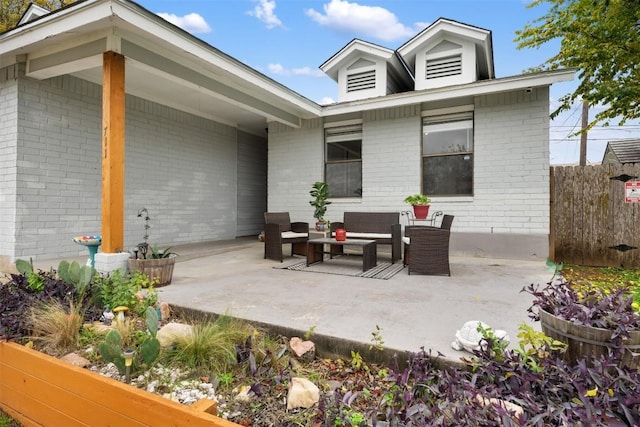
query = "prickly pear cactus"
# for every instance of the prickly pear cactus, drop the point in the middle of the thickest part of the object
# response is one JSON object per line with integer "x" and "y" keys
{"x": 79, "y": 276}
{"x": 111, "y": 350}
{"x": 152, "y": 321}
{"x": 150, "y": 347}
{"x": 24, "y": 267}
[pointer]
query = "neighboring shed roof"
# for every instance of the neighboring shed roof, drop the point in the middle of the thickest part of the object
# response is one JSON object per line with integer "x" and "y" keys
{"x": 622, "y": 151}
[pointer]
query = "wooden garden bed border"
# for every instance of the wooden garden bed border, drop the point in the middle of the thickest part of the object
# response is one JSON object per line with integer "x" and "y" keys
{"x": 40, "y": 390}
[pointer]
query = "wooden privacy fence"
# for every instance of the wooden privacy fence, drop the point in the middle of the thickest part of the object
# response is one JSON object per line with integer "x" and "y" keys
{"x": 591, "y": 224}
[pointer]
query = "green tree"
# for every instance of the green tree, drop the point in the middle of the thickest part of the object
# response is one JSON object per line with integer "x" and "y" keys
{"x": 12, "y": 10}
{"x": 601, "y": 40}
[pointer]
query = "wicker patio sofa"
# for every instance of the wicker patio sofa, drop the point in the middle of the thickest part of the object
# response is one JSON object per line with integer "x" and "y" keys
{"x": 279, "y": 230}
{"x": 383, "y": 227}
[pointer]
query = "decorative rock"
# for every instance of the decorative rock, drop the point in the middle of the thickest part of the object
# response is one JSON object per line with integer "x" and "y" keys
{"x": 165, "y": 311}
{"x": 305, "y": 350}
{"x": 170, "y": 332}
{"x": 243, "y": 394}
{"x": 75, "y": 359}
{"x": 302, "y": 394}
{"x": 468, "y": 338}
{"x": 99, "y": 327}
{"x": 511, "y": 407}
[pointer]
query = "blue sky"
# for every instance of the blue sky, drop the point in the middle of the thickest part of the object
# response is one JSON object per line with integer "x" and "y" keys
{"x": 288, "y": 40}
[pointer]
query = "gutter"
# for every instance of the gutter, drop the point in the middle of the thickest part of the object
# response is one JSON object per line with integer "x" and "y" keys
{"x": 484, "y": 87}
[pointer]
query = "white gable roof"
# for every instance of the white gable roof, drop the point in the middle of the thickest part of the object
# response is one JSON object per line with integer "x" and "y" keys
{"x": 33, "y": 11}
{"x": 365, "y": 70}
{"x": 447, "y": 30}
{"x": 356, "y": 49}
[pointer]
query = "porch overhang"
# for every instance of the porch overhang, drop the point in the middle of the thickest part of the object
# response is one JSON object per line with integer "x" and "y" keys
{"x": 163, "y": 64}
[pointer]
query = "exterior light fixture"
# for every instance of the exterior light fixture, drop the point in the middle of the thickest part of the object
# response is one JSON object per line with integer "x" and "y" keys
{"x": 128, "y": 361}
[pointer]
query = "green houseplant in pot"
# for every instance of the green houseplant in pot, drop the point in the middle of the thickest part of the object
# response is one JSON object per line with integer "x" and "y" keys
{"x": 320, "y": 201}
{"x": 420, "y": 204}
{"x": 156, "y": 263}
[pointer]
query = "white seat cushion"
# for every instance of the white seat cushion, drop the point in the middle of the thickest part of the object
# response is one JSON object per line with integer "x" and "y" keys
{"x": 293, "y": 234}
{"x": 406, "y": 240}
{"x": 368, "y": 235}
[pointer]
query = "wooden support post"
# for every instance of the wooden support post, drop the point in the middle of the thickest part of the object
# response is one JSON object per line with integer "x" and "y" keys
{"x": 113, "y": 98}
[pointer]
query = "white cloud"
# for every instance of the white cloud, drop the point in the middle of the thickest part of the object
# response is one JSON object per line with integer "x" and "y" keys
{"x": 327, "y": 100}
{"x": 369, "y": 21}
{"x": 265, "y": 12}
{"x": 304, "y": 71}
{"x": 193, "y": 22}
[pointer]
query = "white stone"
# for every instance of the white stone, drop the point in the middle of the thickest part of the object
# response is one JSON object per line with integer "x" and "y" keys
{"x": 243, "y": 394}
{"x": 168, "y": 334}
{"x": 302, "y": 393}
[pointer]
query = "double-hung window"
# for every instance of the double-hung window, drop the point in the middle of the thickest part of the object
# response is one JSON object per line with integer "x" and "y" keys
{"x": 343, "y": 161}
{"x": 447, "y": 155}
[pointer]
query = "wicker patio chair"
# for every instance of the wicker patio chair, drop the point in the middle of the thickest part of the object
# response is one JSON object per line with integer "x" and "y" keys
{"x": 279, "y": 230}
{"x": 447, "y": 221}
{"x": 429, "y": 251}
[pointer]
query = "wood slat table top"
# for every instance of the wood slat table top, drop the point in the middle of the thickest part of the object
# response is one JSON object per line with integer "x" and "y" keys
{"x": 347, "y": 242}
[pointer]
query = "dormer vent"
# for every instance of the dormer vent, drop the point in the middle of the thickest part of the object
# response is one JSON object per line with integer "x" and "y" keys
{"x": 361, "y": 81}
{"x": 444, "y": 67}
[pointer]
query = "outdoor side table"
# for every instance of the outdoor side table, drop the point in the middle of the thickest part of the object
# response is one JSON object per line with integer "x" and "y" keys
{"x": 316, "y": 252}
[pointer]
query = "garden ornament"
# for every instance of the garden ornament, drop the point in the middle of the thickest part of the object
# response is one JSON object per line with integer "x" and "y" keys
{"x": 468, "y": 337}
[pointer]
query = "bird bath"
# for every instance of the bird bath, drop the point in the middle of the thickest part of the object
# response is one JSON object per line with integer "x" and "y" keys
{"x": 92, "y": 243}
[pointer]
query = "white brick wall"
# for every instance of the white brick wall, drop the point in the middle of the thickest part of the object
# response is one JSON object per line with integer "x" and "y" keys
{"x": 511, "y": 162}
{"x": 180, "y": 167}
{"x": 8, "y": 133}
{"x": 294, "y": 164}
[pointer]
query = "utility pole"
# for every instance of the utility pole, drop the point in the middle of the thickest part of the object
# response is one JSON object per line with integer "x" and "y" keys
{"x": 583, "y": 133}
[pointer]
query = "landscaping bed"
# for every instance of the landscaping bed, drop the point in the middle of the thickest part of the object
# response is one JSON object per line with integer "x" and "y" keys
{"x": 249, "y": 372}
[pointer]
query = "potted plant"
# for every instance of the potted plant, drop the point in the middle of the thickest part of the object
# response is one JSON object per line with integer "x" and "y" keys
{"x": 156, "y": 263}
{"x": 592, "y": 320}
{"x": 420, "y": 204}
{"x": 320, "y": 194}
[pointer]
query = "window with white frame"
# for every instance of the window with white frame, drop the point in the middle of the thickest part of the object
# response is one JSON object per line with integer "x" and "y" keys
{"x": 343, "y": 161}
{"x": 447, "y": 155}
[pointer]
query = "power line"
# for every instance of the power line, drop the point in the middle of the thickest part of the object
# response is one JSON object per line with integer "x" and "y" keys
{"x": 625, "y": 127}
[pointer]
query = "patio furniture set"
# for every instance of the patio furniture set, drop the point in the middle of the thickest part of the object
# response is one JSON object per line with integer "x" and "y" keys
{"x": 426, "y": 247}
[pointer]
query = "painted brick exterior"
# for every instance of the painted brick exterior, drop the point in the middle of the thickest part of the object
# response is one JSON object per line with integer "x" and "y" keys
{"x": 184, "y": 170}
{"x": 181, "y": 167}
{"x": 511, "y": 167}
{"x": 294, "y": 164}
{"x": 8, "y": 156}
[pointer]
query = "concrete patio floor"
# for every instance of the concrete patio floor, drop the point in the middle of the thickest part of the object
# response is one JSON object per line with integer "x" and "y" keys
{"x": 231, "y": 277}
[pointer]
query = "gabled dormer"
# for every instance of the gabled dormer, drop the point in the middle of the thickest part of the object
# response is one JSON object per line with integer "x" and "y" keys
{"x": 365, "y": 70}
{"x": 33, "y": 12}
{"x": 449, "y": 53}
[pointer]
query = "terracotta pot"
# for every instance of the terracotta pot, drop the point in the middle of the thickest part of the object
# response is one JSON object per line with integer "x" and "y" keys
{"x": 321, "y": 226}
{"x": 341, "y": 234}
{"x": 421, "y": 211}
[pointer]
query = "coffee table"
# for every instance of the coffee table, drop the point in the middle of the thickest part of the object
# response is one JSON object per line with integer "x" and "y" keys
{"x": 316, "y": 252}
